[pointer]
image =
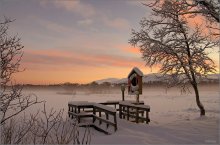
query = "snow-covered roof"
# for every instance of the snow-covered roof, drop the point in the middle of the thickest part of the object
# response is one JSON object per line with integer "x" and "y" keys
{"x": 137, "y": 70}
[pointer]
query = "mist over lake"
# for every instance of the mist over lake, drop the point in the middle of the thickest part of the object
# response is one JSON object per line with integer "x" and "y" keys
{"x": 167, "y": 105}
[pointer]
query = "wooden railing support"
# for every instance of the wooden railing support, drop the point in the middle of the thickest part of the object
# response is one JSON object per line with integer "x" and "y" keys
{"x": 137, "y": 112}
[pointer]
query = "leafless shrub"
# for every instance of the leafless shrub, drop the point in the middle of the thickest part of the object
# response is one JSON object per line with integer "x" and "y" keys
{"x": 40, "y": 128}
{"x": 12, "y": 101}
{"x": 44, "y": 128}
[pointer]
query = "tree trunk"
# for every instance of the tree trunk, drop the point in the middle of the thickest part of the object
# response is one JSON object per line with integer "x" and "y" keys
{"x": 199, "y": 104}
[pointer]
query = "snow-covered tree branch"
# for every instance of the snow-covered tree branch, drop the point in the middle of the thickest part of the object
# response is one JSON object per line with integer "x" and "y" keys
{"x": 180, "y": 50}
{"x": 210, "y": 9}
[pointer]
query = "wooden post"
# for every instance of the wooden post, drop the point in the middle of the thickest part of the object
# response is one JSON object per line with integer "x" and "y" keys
{"x": 94, "y": 114}
{"x": 128, "y": 113}
{"x": 69, "y": 110}
{"x": 147, "y": 117}
{"x": 115, "y": 121}
{"x": 120, "y": 109}
{"x": 123, "y": 91}
{"x": 137, "y": 115}
{"x": 100, "y": 115}
{"x": 137, "y": 98}
{"x": 78, "y": 116}
{"x": 78, "y": 119}
{"x": 123, "y": 95}
{"x": 78, "y": 109}
{"x": 107, "y": 117}
{"x": 142, "y": 113}
{"x": 123, "y": 108}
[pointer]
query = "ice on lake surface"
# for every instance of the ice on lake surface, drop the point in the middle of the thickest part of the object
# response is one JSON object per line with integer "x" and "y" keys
{"x": 175, "y": 118}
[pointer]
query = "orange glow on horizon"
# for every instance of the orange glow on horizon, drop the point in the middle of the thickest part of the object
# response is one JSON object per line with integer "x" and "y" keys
{"x": 83, "y": 76}
{"x": 54, "y": 68}
{"x": 59, "y": 66}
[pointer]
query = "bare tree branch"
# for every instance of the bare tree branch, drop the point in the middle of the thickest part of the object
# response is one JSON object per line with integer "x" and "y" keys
{"x": 180, "y": 50}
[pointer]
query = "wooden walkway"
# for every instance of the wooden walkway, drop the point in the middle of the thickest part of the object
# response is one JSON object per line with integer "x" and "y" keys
{"x": 97, "y": 112}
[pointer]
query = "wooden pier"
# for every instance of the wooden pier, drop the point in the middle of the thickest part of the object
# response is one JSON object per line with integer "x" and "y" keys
{"x": 97, "y": 112}
{"x": 100, "y": 113}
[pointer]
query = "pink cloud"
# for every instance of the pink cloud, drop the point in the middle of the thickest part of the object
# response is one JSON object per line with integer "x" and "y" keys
{"x": 76, "y": 6}
{"x": 118, "y": 23}
{"x": 62, "y": 58}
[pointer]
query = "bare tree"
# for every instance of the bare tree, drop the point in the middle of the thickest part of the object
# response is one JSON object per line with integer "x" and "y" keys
{"x": 40, "y": 128}
{"x": 12, "y": 101}
{"x": 180, "y": 50}
{"x": 210, "y": 9}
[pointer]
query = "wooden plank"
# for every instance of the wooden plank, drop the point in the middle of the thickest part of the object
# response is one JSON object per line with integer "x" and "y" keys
{"x": 106, "y": 121}
{"x": 112, "y": 111}
{"x": 81, "y": 115}
{"x": 110, "y": 102}
{"x": 88, "y": 111}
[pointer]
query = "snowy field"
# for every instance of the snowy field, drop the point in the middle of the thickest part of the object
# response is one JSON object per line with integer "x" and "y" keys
{"x": 174, "y": 116}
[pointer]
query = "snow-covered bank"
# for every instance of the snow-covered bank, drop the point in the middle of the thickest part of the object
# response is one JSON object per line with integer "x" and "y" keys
{"x": 199, "y": 131}
{"x": 174, "y": 116}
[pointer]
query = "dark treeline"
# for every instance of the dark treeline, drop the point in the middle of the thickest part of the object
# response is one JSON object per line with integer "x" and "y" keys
{"x": 105, "y": 85}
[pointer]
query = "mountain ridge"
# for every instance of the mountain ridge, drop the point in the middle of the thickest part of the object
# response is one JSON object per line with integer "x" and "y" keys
{"x": 153, "y": 77}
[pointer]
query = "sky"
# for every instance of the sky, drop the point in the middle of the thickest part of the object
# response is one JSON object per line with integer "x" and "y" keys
{"x": 76, "y": 41}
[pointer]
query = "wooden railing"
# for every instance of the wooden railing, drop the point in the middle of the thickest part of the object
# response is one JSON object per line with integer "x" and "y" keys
{"x": 115, "y": 104}
{"x": 132, "y": 112}
{"x": 95, "y": 111}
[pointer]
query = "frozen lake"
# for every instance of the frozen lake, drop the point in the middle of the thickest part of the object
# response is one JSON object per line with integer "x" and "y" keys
{"x": 164, "y": 103}
{"x": 175, "y": 117}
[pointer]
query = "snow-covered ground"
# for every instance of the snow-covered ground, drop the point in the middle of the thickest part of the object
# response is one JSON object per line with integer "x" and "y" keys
{"x": 174, "y": 116}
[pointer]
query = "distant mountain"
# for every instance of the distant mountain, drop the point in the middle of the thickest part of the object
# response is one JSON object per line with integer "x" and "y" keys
{"x": 109, "y": 80}
{"x": 211, "y": 77}
{"x": 152, "y": 78}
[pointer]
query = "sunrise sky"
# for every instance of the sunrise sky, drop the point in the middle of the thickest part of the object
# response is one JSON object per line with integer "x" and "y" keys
{"x": 76, "y": 41}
